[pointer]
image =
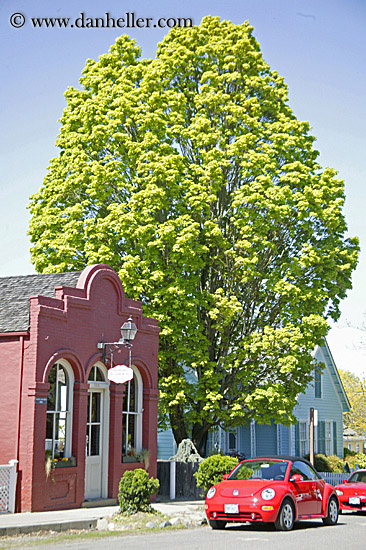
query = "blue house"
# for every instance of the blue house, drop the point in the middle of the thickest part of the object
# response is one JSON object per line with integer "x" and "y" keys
{"x": 325, "y": 394}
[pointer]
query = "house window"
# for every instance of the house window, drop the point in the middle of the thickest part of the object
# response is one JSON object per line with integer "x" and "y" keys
{"x": 328, "y": 437}
{"x": 132, "y": 416}
{"x": 357, "y": 447}
{"x": 232, "y": 441}
{"x": 59, "y": 406}
{"x": 349, "y": 446}
{"x": 303, "y": 438}
{"x": 318, "y": 383}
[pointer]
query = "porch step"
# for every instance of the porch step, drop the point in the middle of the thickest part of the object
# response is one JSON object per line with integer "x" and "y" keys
{"x": 99, "y": 502}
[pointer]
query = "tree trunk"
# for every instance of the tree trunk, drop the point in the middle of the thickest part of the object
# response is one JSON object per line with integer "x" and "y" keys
{"x": 176, "y": 417}
{"x": 199, "y": 437}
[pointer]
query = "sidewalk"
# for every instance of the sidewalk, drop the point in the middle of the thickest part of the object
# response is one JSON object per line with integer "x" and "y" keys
{"x": 86, "y": 518}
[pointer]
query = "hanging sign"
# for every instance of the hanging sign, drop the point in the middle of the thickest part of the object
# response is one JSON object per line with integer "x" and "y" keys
{"x": 120, "y": 374}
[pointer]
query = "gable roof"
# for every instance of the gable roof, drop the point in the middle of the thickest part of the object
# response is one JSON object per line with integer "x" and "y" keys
{"x": 16, "y": 291}
{"x": 335, "y": 377}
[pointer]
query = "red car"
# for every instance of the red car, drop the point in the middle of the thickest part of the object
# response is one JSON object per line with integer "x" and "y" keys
{"x": 352, "y": 494}
{"x": 277, "y": 490}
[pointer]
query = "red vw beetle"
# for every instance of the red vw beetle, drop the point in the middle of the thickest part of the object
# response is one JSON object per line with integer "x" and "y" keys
{"x": 275, "y": 490}
{"x": 352, "y": 495}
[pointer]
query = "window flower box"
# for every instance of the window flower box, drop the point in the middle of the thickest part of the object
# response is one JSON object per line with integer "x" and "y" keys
{"x": 64, "y": 462}
{"x": 131, "y": 458}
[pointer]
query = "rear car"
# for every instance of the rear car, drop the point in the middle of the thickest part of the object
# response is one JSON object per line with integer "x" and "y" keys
{"x": 352, "y": 494}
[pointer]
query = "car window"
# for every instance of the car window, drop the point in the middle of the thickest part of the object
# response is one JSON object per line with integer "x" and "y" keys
{"x": 260, "y": 469}
{"x": 304, "y": 470}
{"x": 358, "y": 477}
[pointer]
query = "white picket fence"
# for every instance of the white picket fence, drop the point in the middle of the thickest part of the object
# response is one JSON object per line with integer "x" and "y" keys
{"x": 334, "y": 478}
{"x": 8, "y": 483}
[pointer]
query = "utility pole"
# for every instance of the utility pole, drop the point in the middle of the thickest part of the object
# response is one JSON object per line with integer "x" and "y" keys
{"x": 312, "y": 423}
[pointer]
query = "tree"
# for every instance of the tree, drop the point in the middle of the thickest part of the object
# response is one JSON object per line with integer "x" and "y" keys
{"x": 191, "y": 176}
{"x": 355, "y": 388}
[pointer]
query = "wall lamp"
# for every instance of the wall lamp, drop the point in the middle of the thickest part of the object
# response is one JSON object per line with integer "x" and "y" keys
{"x": 128, "y": 333}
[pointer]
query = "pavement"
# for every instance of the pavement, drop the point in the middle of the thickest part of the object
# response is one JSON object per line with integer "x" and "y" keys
{"x": 90, "y": 517}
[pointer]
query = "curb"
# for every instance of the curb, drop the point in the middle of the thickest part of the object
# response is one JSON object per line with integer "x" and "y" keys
{"x": 49, "y": 526}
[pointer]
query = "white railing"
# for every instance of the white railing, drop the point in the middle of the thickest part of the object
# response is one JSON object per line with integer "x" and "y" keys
{"x": 8, "y": 483}
{"x": 334, "y": 478}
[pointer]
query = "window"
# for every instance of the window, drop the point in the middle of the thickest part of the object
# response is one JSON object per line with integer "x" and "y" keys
{"x": 357, "y": 447}
{"x": 232, "y": 440}
{"x": 304, "y": 470}
{"x": 59, "y": 406}
{"x": 132, "y": 416}
{"x": 318, "y": 382}
{"x": 303, "y": 438}
{"x": 328, "y": 438}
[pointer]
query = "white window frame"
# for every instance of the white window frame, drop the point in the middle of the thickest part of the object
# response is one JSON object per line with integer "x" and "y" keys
{"x": 328, "y": 441}
{"x": 303, "y": 442}
{"x": 316, "y": 369}
{"x": 137, "y": 414}
{"x": 235, "y": 433}
{"x": 68, "y": 419}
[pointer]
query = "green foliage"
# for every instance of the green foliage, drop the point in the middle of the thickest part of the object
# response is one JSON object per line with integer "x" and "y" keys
{"x": 191, "y": 176}
{"x": 348, "y": 453}
{"x": 321, "y": 463}
{"x": 135, "y": 491}
{"x": 212, "y": 469}
{"x": 359, "y": 459}
{"x": 355, "y": 388}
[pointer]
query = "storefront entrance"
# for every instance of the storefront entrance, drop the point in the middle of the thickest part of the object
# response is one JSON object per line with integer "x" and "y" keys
{"x": 97, "y": 435}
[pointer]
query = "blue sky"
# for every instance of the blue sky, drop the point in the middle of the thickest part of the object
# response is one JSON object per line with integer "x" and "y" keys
{"x": 318, "y": 46}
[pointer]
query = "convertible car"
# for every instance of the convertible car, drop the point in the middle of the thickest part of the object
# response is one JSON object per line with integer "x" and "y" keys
{"x": 277, "y": 490}
{"x": 352, "y": 494}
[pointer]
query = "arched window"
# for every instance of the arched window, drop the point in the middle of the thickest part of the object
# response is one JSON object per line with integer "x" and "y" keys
{"x": 132, "y": 416}
{"x": 59, "y": 407}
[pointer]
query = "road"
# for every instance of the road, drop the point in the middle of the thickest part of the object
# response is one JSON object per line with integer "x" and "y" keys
{"x": 307, "y": 535}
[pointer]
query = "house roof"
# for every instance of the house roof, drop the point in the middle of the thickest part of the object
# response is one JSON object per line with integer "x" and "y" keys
{"x": 335, "y": 377}
{"x": 16, "y": 291}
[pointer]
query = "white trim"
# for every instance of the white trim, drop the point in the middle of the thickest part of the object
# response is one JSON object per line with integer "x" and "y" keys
{"x": 140, "y": 410}
{"x": 103, "y": 387}
{"x": 253, "y": 443}
{"x": 69, "y": 415}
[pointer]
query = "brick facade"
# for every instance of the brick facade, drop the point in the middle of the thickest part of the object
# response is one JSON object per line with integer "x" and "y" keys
{"x": 68, "y": 327}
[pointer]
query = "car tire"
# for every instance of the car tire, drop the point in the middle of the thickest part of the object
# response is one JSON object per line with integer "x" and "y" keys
{"x": 286, "y": 516}
{"x": 216, "y": 524}
{"x": 332, "y": 512}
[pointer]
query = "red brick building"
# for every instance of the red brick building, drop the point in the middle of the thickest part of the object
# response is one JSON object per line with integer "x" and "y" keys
{"x": 57, "y": 406}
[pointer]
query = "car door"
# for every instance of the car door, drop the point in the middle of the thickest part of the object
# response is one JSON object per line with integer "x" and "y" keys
{"x": 308, "y": 492}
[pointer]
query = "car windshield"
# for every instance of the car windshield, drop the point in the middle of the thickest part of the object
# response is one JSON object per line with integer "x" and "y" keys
{"x": 260, "y": 469}
{"x": 358, "y": 477}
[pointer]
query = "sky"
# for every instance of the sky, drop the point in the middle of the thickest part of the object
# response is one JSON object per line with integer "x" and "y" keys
{"x": 319, "y": 47}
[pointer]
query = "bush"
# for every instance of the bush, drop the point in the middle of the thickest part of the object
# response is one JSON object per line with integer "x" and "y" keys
{"x": 336, "y": 464}
{"x": 212, "y": 469}
{"x": 359, "y": 459}
{"x": 321, "y": 463}
{"x": 347, "y": 452}
{"x": 135, "y": 491}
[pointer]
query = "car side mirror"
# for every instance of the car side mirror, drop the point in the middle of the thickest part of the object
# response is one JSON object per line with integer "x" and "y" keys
{"x": 296, "y": 478}
{"x": 344, "y": 480}
{"x": 225, "y": 477}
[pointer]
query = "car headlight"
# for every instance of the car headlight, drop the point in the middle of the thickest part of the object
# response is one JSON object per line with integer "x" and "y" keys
{"x": 339, "y": 492}
{"x": 211, "y": 492}
{"x": 267, "y": 494}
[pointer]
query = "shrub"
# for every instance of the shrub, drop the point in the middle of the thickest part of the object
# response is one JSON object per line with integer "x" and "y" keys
{"x": 321, "y": 463}
{"x": 212, "y": 469}
{"x": 359, "y": 459}
{"x": 336, "y": 464}
{"x": 347, "y": 452}
{"x": 135, "y": 491}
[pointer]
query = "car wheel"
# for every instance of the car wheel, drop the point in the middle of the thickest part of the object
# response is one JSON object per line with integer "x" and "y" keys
{"x": 286, "y": 517}
{"x": 332, "y": 516}
{"x": 216, "y": 524}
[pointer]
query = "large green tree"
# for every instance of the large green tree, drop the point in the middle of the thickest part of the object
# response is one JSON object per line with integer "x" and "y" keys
{"x": 191, "y": 176}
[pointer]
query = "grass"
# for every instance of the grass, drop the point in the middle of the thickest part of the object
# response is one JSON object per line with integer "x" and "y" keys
{"x": 123, "y": 525}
